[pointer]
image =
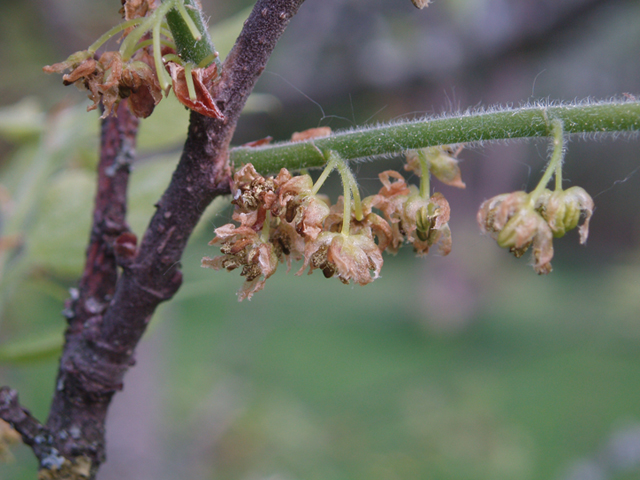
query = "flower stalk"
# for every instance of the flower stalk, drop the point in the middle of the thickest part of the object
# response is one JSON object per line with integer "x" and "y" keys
{"x": 425, "y": 176}
{"x": 555, "y": 163}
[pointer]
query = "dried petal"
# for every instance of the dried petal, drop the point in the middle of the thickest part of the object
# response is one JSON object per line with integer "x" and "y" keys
{"x": 311, "y": 133}
{"x": 298, "y": 206}
{"x": 144, "y": 90}
{"x": 495, "y": 212}
{"x": 109, "y": 80}
{"x": 204, "y": 103}
{"x": 258, "y": 143}
{"x": 421, "y": 3}
{"x": 390, "y": 201}
{"x": 137, "y": 8}
{"x": 71, "y": 63}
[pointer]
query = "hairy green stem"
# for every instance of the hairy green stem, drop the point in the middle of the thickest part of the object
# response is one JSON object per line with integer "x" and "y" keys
{"x": 425, "y": 175}
{"x": 130, "y": 44}
{"x": 163, "y": 77}
{"x": 559, "y": 142}
{"x": 189, "y": 78}
{"x": 555, "y": 164}
{"x": 323, "y": 177}
{"x": 199, "y": 51}
{"x": 350, "y": 190}
{"x": 195, "y": 33}
{"x": 528, "y": 122}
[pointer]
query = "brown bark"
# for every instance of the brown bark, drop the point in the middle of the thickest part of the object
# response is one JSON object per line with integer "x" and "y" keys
{"x": 110, "y": 312}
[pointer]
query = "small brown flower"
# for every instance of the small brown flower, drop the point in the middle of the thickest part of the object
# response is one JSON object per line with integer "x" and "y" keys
{"x": 251, "y": 191}
{"x": 390, "y": 201}
{"x": 349, "y": 257}
{"x": 254, "y": 195}
{"x": 513, "y": 222}
{"x": 527, "y": 229}
{"x": 370, "y": 225}
{"x": 243, "y": 247}
{"x": 416, "y": 220}
{"x": 298, "y": 206}
{"x": 426, "y": 222}
{"x": 109, "y": 80}
{"x": 287, "y": 242}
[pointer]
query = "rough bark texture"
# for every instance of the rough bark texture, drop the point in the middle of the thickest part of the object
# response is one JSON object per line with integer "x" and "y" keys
{"x": 81, "y": 378}
{"x": 110, "y": 312}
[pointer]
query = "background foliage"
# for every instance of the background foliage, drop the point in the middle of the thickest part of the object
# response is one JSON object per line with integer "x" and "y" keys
{"x": 463, "y": 367}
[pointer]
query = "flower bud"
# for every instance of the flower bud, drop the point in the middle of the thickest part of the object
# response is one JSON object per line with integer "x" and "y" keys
{"x": 514, "y": 223}
{"x": 526, "y": 228}
{"x": 563, "y": 210}
{"x": 425, "y": 222}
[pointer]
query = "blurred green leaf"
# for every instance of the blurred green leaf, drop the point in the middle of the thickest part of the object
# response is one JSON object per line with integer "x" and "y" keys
{"x": 166, "y": 128}
{"x": 61, "y": 230}
{"x": 224, "y": 33}
{"x": 22, "y": 121}
{"x": 42, "y": 347}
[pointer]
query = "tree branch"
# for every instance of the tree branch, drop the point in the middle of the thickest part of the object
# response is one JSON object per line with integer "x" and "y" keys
{"x": 100, "y": 347}
{"x": 33, "y": 433}
{"x": 83, "y": 434}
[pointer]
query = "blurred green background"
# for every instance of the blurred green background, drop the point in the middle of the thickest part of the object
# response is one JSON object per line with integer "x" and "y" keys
{"x": 463, "y": 367}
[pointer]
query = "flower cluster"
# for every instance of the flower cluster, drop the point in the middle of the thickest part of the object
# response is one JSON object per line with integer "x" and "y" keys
{"x": 146, "y": 65}
{"x": 283, "y": 218}
{"x": 109, "y": 79}
{"x": 520, "y": 220}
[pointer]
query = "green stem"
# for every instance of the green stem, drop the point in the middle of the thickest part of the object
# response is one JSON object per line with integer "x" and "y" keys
{"x": 393, "y": 139}
{"x": 558, "y": 172}
{"x": 93, "y": 48}
{"x": 163, "y": 76}
{"x": 323, "y": 177}
{"x": 425, "y": 175}
{"x": 350, "y": 187}
{"x": 149, "y": 42}
{"x": 189, "y": 79}
{"x": 198, "y": 49}
{"x": 195, "y": 33}
{"x": 554, "y": 164}
{"x": 129, "y": 45}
